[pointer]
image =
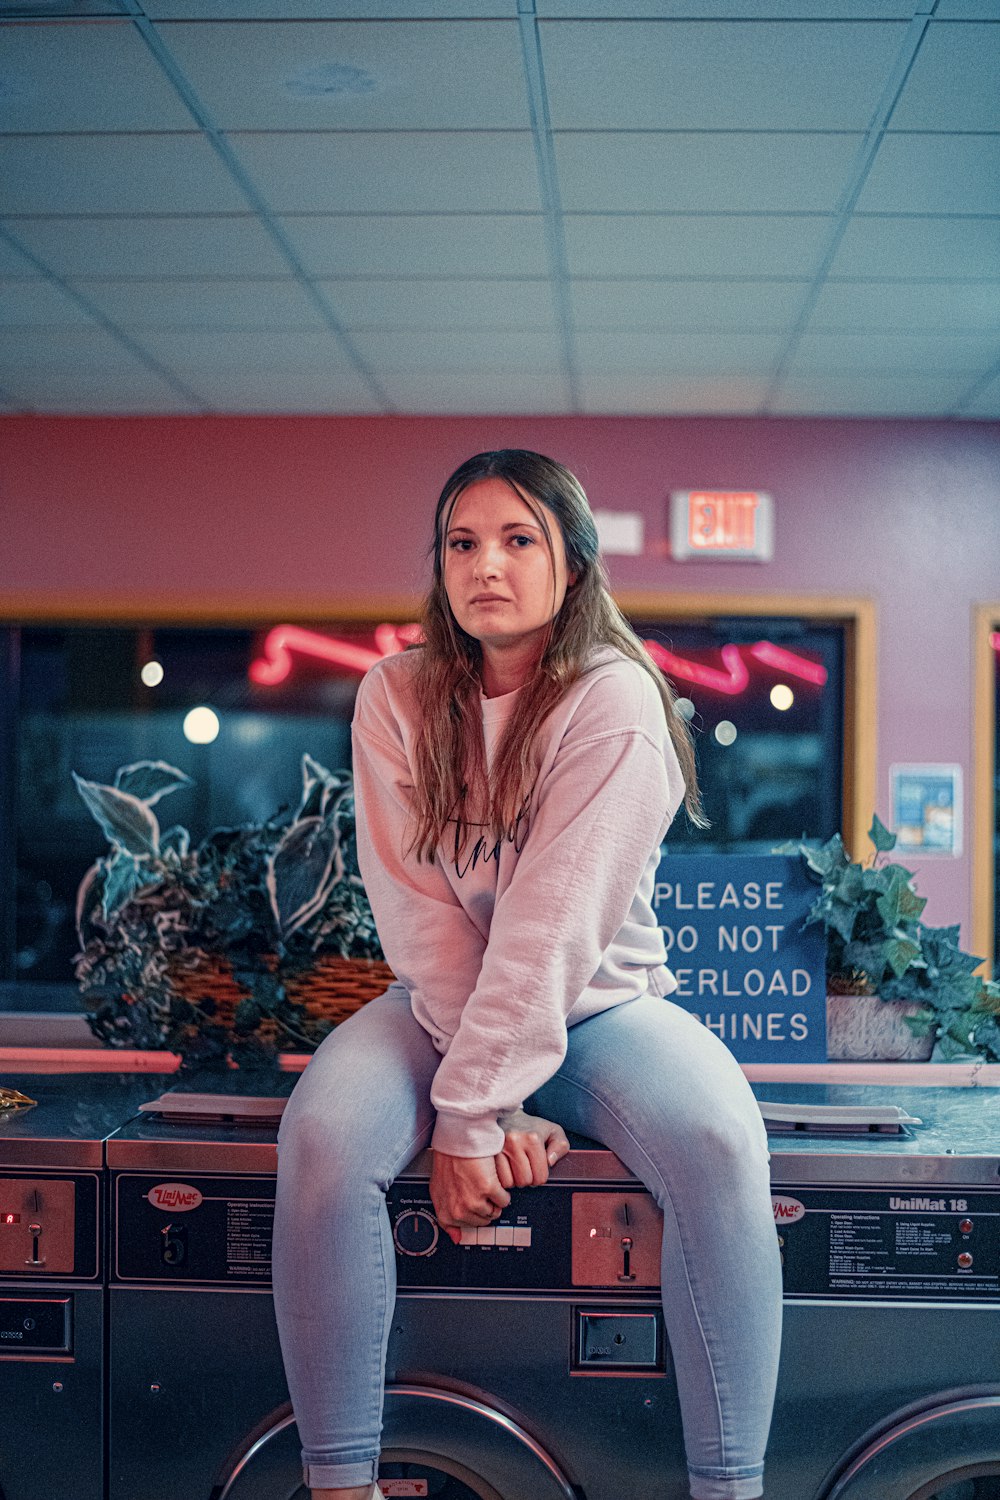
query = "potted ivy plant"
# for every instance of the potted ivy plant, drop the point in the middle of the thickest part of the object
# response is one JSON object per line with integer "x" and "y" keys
{"x": 895, "y": 985}
{"x": 257, "y": 940}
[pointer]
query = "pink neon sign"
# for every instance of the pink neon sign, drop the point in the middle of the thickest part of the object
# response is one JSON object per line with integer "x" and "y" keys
{"x": 284, "y": 640}
{"x": 733, "y": 680}
{"x": 276, "y": 663}
{"x": 790, "y": 662}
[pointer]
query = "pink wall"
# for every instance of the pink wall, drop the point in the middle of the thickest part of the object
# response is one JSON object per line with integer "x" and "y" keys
{"x": 280, "y": 510}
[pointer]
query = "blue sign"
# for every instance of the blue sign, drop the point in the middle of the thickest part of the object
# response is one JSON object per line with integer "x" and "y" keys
{"x": 733, "y": 929}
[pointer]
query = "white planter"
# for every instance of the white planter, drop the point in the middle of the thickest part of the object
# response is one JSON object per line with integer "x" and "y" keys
{"x": 863, "y": 1028}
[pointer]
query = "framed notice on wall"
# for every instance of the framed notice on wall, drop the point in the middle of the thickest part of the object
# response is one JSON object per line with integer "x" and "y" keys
{"x": 745, "y": 964}
{"x": 927, "y": 809}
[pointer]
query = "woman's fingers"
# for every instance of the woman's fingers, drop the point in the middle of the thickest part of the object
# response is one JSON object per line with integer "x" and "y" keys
{"x": 518, "y": 1162}
{"x": 556, "y": 1145}
{"x": 534, "y": 1150}
{"x": 466, "y": 1190}
{"x": 530, "y": 1154}
{"x": 504, "y": 1172}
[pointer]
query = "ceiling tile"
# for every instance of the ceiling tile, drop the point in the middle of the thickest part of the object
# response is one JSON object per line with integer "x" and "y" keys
{"x": 952, "y": 249}
{"x": 420, "y": 171}
{"x": 707, "y": 306}
{"x": 92, "y": 393}
{"x": 644, "y": 392}
{"x": 953, "y": 82}
{"x": 152, "y": 247}
{"x": 531, "y": 392}
{"x": 442, "y": 304}
{"x": 477, "y": 351}
{"x": 72, "y": 348}
{"x": 339, "y": 75}
{"x": 934, "y": 174}
{"x": 708, "y": 170}
{"x": 695, "y": 245}
{"x": 113, "y": 174}
{"x": 867, "y": 396}
{"x": 25, "y": 302}
{"x": 12, "y": 262}
{"x": 905, "y": 354}
{"x": 421, "y": 245}
{"x": 270, "y": 388}
{"x": 907, "y": 306}
{"x": 243, "y": 348}
{"x": 679, "y": 353}
{"x": 967, "y": 10}
{"x": 80, "y": 368}
{"x": 740, "y": 10}
{"x": 87, "y": 77}
{"x": 324, "y": 10}
{"x": 205, "y": 304}
{"x": 731, "y": 76}
{"x": 986, "y": 402}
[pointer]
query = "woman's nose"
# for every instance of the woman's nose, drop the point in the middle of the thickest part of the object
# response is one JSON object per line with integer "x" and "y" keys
{"x": 490, "y": 561}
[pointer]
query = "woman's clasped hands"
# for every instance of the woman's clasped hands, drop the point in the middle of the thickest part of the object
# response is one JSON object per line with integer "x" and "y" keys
{"x": 472, "y": 1191}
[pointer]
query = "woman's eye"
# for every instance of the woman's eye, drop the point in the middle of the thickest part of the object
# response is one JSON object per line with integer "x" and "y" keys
{"x": 523, "y": 541}
{"x": 458, "y": 544}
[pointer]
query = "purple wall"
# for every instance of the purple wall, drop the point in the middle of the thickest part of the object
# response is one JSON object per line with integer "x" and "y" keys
{"x": 309, "y": 512}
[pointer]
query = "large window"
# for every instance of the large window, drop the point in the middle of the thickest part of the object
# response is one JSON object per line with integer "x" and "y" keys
{"x": 90, "y": 698}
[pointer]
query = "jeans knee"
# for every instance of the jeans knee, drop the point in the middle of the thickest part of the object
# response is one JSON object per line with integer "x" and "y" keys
{"x": 721, "y": 1145}
{"x": 316, "y": 1153}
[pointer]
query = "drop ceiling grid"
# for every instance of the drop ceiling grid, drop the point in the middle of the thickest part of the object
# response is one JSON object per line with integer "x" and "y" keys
{"x": 439, "y": 198}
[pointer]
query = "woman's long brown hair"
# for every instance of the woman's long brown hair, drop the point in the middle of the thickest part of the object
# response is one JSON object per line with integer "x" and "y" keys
{"x": 452, "y": 785}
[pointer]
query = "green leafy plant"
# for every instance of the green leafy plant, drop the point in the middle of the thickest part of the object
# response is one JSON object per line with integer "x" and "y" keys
{"x": 267, "y": 900}
{"x": 878, "y": 944}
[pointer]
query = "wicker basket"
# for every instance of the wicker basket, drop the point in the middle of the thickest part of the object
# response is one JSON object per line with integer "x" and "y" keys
{"x": 333, "y": 989}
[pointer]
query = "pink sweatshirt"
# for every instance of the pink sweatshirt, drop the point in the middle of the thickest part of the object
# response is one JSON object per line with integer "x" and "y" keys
{"x": 504, "y": 946}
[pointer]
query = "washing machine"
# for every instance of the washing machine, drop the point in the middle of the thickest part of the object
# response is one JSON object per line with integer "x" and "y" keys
{"x": 52, "y": 1297}
{"x": 530, "y": 1362}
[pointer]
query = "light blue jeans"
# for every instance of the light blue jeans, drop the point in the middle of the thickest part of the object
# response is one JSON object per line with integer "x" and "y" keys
{"x": 648, "y": 1081}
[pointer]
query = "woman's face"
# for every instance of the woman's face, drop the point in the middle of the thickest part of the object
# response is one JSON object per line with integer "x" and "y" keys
{"x": 498, "y": 573}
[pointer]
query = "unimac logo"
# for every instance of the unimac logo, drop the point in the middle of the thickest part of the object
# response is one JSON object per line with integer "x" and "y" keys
{"x": 787, "y": 1210}
{"x": 174, "y": 1197}
{"x": 922, "y": 1205}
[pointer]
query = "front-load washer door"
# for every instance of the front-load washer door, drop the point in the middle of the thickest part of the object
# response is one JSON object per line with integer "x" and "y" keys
{"x": 436, "y": 1443}
{"x": 947, "y": 1448}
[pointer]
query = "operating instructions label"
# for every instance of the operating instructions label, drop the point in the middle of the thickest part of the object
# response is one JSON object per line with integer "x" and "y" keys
{"x": 212, "y": 1230}
{"x": 875, "y": 1243}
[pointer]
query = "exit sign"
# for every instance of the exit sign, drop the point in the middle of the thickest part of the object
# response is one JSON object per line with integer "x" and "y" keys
{"x": 721, "y": 525}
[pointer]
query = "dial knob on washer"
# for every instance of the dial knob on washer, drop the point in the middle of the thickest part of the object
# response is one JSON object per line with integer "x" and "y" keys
{"x": 415, "y": 1233}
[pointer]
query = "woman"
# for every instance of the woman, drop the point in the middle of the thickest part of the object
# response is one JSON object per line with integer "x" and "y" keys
{"x": 515, "y": 776}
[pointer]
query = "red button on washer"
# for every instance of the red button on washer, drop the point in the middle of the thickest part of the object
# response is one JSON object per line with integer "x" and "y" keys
{"x": 965, "y": 1260}
{"x": 965, "y": 1225}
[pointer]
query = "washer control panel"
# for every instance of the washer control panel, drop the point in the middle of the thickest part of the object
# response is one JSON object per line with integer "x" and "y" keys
{"x": 560, "y": 1237}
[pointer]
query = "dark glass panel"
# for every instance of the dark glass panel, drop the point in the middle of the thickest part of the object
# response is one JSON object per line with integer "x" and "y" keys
{"x": 766, "y": 773}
